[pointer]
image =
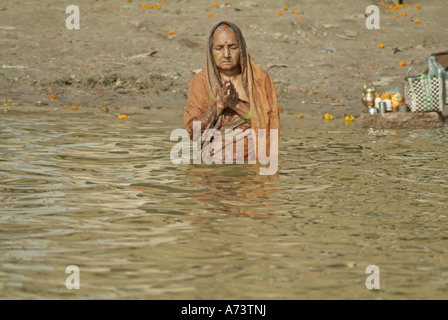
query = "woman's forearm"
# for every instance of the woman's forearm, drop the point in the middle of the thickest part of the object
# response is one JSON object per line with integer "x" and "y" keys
{"x": 205, "y": 118}
{"x": 243, "y": 110}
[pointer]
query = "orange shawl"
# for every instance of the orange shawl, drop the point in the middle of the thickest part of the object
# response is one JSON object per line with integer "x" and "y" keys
{"x": 205, "y": 85}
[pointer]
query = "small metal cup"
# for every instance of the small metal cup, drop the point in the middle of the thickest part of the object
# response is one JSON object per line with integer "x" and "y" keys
{"x": 372, "y": 111}
{"x": 403, "y": 108}
{"x": 383, "y": 107}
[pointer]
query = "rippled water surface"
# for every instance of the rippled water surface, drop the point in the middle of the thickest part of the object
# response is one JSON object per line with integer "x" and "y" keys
{"x": 102, "y": 194}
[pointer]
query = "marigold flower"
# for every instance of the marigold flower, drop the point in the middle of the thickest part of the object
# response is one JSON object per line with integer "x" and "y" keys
{"x": 328, "y": 116}
{"x": 417, "y": 21}
{"x": 349, "y": 118}
{"x": 171, "y": 32}
{"x": 418, "y": 7}
{"x": 300, "y": 116}
{"x": 65, "y": 106}
{"x": 296, "y": 11}
{"x": 53, "y": 96}
{"x": 100, "y": 91}
{"x": 301, "y": 19}
{"x": 215, "y": 5}
{"x": 210, "y": 15}
{"x": 406, "y": 5}
{"x": 74, "y": 108}
{"x": 122, "y": 116}
{"x": 402, "y": 64}
{"x": 381, "y": 46}
{"x": 279, "y": 14}
{"x": 386, "y": 95}
{"x": 228, "y": 4}
{"x": 395, "y": 16}
{"x": 157, "y": 6}
{"x": 285, "y": 7}
{"x": 404, "y": 14}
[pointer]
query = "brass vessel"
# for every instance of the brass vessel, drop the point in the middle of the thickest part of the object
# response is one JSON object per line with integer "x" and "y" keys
{"x": 369, "y": 95}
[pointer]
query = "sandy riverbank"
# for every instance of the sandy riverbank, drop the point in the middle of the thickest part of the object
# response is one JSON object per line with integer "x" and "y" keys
{"x": 123, "y": 57}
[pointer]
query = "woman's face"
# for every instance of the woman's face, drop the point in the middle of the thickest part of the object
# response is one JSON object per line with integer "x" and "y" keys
{"x": 226, "y": 51}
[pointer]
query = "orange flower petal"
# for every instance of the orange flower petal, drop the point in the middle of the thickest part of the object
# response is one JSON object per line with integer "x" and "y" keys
{"x": 381, "y": 46}
{"x": 171, "y": 32}
{"x": 418, "y": 7}
{"x": 402, "y": 64}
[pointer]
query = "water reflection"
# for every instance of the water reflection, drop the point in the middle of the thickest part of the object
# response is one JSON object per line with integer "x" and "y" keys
{"x": 235, "y": 190}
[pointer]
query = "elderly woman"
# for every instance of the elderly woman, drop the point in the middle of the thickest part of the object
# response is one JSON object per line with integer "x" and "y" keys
{"x": 232, "y": 92}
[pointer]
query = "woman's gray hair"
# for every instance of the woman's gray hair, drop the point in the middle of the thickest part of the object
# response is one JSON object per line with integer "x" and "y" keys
{"x": 222, "y": 27}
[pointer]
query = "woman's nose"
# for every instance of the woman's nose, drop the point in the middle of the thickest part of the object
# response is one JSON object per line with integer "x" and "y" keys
{"x": 226, "y": 52}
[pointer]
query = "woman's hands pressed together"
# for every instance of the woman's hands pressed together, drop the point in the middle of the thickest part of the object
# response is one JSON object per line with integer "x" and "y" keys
{"x": 227, "y": 98}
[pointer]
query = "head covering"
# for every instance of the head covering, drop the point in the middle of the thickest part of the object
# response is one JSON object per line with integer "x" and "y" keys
{"x": 214, "y": 81}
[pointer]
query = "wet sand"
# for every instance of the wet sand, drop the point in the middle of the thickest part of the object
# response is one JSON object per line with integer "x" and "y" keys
{"x": 123, "y": 58}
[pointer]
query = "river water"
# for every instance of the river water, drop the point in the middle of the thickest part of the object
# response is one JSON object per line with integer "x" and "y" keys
{"x": 101, "y": 193}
